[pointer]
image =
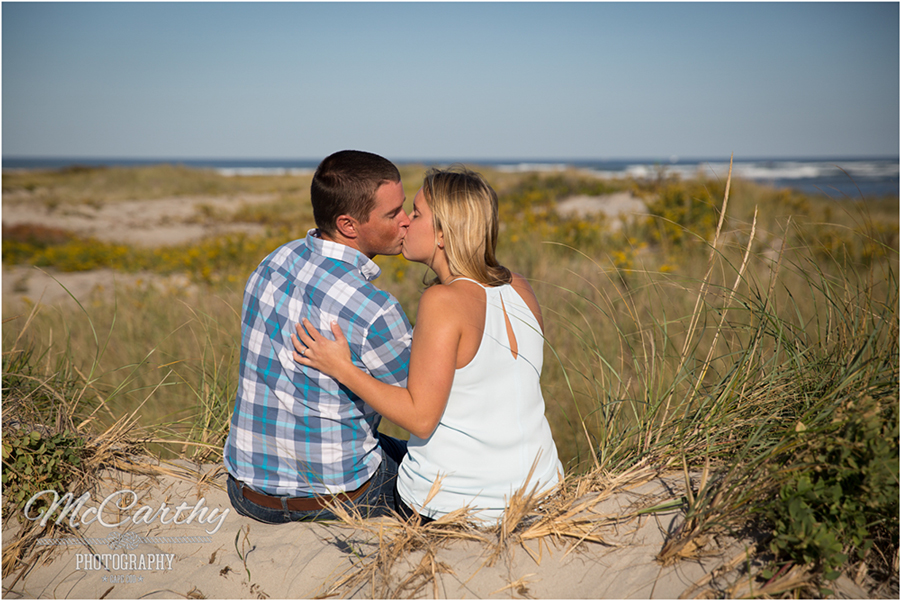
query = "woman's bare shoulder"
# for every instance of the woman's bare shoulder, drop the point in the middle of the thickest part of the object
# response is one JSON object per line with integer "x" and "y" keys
{"x": 441, "y": 298}
{"x": 521, "y": 285}
{"x": 449, "y": 308}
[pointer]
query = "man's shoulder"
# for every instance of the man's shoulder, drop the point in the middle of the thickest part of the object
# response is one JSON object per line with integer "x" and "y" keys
{"x": 313, "y": 258}
{"x": 320, "y": 280}
{"x": 287, "y": 252}
{"x": 300, "y": 260}
{"x": 298, "y": 274}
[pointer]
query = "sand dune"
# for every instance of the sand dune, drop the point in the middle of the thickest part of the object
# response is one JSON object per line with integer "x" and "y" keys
{"x": 230, "y": 556}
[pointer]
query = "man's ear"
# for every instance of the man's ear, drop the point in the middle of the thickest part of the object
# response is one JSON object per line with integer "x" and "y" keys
{"x": 346, "y": 226}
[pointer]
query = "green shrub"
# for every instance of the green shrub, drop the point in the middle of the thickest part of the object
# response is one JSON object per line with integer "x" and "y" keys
{"x": 33, "y": 462}
{"x": 539, "y": 190}
{"x": 842, "y": 492}
{"x": 683, "y": 207}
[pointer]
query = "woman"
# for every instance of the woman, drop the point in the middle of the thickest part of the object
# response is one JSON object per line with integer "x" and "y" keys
{"x": 473, "y": 402}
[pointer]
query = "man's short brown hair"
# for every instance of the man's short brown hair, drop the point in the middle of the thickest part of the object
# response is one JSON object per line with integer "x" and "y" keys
{"x": 345, "y": 184}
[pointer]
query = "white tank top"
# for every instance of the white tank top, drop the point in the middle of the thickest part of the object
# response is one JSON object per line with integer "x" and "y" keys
{"x": 493, "y": 429}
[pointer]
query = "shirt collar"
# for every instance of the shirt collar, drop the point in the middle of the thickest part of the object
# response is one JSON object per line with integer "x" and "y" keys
{"x": 367, "y": 268}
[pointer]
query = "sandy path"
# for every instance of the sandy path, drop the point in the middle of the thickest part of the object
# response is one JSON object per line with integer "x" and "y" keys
{"x": 144, "y": 223}
{"x": 147, "y": 223}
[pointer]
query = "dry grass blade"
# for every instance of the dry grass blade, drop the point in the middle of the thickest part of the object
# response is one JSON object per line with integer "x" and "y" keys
{"x": 797, "y": 579}
{"x": 741, "y": 557}
{"x": 435, "y": 488}
{"x": 737, "y": 282}
{"x": 692, "y": 329}
{"x": 520, "y": 585}
{"x": 695, "y": 316}
{"x": 681, "y": 548}
{"x": 520, "y": 504}
{"x": 31, "y": 315}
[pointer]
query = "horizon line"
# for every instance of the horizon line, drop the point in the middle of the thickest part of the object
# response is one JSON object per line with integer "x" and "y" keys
{"x": 651, "y": 158}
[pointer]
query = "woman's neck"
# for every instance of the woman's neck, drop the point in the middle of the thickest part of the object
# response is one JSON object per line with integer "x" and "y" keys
{"x": 441, "y": 268}
{"x": 446, "y": 277}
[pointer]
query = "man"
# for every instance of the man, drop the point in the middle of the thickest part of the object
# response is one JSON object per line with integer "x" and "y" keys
{"x": 298, "y": 440}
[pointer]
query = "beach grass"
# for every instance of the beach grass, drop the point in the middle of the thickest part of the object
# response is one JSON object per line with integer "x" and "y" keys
{"x": 741, "y": 336}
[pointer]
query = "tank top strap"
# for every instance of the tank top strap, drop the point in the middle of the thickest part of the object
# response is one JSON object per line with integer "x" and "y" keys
{"x": 468, "y": 279}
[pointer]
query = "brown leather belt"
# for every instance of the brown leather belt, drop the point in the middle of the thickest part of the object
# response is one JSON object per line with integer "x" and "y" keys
{"x": 315, "y": 503}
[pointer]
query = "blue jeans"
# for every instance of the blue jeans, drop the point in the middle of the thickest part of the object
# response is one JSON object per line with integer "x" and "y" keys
{"x": 377, "y": 500}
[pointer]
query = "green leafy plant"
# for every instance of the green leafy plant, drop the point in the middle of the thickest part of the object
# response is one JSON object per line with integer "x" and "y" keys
{"x": 841, "y": 493}
{"x": 33, "y": 462}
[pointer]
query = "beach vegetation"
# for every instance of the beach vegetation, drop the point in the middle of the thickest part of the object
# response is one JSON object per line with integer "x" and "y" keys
{"x": 681, "y": 212}
{"x": 838, "y": 494}
{"x": 33, "y": 462}
{"x": 101, "y": 185}
{"x": 742, "y": 337}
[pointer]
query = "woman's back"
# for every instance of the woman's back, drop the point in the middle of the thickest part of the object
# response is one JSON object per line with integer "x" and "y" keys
{"x": 493, "y": 429}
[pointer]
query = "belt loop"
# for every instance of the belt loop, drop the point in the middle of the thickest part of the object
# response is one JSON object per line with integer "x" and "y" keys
{"x": 284, "y": 506}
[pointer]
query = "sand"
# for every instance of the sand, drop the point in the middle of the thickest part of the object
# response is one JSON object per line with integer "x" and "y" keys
{"x": 146, "y": 223}
{"x": 236, "y": 557}
{"x": 618, "y": 209}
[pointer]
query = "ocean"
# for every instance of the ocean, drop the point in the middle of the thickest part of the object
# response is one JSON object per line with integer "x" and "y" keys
{"x": 837, "y": 178}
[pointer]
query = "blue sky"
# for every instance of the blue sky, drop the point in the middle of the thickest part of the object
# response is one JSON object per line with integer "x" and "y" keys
{"x": 450, "y": 80}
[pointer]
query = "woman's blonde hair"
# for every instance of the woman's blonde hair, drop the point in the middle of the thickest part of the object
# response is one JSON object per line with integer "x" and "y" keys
{"x": 464, "y": 208}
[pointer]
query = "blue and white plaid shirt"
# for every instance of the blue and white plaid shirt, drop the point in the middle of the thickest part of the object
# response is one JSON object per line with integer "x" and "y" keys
{"x": 295, "y": 431}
